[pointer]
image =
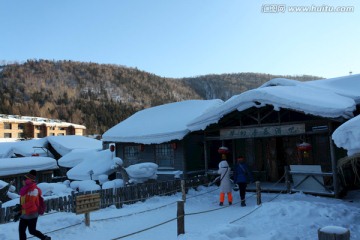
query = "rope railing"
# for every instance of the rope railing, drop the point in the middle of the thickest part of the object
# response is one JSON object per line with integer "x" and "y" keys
{"x": 59, "y": 229}
{"x": 206, "y": 211}
{"x": 145, "y": 229}
{"x": 149, "y": 210}
{"x": 175, "y": 218}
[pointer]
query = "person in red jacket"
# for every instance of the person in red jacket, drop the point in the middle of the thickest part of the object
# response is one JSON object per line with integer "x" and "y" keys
{"x": 29, "y": 201}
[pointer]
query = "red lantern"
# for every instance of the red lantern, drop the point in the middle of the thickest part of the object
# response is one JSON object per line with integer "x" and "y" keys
{"x": 112, "y": 148}
{"x": 142, "y": 147}
{"x": 173, "y": 145}
{"x": 35, "y": 155}
{"x": 304, "y": 146}
{"x": 223, "y": 150}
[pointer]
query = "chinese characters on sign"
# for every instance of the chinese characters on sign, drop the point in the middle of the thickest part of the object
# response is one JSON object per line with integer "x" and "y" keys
{"x": 270, "y": 131}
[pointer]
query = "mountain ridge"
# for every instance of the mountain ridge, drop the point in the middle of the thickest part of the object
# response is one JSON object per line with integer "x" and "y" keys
{"x": 101, "y": 95}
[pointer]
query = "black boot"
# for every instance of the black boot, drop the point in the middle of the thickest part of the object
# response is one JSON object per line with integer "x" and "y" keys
{"x": 243, "y": 204}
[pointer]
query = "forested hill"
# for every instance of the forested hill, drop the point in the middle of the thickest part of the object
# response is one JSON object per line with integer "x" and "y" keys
{"x": 224, "y": 86}
{"x": 101, "y": 95}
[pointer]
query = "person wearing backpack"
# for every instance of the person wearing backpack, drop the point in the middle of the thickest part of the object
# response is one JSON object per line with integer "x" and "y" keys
{"x": 242, "y": 175}
{"x": 30, "y": 196}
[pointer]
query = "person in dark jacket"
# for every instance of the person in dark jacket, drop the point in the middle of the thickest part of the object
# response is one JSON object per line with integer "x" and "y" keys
{"x": 29, "y": 201}
{"x": 242, "y": 175}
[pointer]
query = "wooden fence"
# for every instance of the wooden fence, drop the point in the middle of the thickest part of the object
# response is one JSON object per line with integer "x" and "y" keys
{"x": 117, "y": 196}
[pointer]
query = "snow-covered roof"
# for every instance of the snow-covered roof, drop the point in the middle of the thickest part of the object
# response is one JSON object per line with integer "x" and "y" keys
{"x": 347, "y": 136}
{"x": 348, "y": 86}
{"x": 161, "y": 123}
{"x": 38, "y": 121}
{"x": 330, "y": 98}
{"x": 65, "y": 144}
{"x": 11, "y": 166}
{"x": 75, "y": 157}
{"x": 24, "y": 148}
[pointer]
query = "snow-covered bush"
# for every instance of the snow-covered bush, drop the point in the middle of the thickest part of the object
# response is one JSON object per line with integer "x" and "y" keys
{"x": 141, "y": 172}
{"x": 83, "y": 186}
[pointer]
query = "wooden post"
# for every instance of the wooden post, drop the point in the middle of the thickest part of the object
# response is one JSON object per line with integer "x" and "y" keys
{"x": 2, "y": 214}
{"x": 87, "y": 203}
{"x": 205, "y": 156}
{"x": 258, "y": 193}
{"x": 287, "y": 179}
{"x": 333, "y": 233}
{"x": 87, "y": 219}
{"x": 180, "y": 218}
{"x": 333, "y": 163}
{"x": 183, "y": 190}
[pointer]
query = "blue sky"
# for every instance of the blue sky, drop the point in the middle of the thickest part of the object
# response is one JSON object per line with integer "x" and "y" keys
{"x": 183, "y": 38}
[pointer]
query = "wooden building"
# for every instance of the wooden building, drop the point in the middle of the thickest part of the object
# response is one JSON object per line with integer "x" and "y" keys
{"x": 281, "y": 125}
{"x": 160, "y": 135}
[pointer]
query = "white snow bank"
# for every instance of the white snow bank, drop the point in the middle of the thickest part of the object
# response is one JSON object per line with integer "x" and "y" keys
{"x": 97, "y": 163}
{"x": 75, "y": 156}
{"x": 83, "y": 186}
{"x": 116, "y": 183}
{"x": 57, "y": 189}
{"x": 347, "y": 136}
{"x": 141, "y": 172}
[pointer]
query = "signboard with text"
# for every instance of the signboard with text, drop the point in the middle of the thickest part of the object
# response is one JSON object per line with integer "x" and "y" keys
{"x": 269, "y": 131}
{"x": 87, "y": 203}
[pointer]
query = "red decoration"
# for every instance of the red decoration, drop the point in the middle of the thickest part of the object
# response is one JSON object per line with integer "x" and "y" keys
{"x": 223, "y": 150}
{"x": 142, "y": 147}
{"x": 173, "y": 145}
{"x": 35, "y": 155}
{"x": 112, "y": 148}
{"x": 304, "y": 146}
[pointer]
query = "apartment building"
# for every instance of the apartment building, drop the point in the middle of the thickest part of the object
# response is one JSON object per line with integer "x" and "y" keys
{"x": 25, "y": 127}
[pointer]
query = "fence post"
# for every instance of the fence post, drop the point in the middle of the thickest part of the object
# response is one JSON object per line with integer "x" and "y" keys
{"x": 287, "y": 179}
{"x": 183, "y": 190}
{"x": 87, "y": 219}
{"x": 180, "y": 218}
{"x": 258, "y": 193}
{"x": 333, "y": 233}
{"x": 2, "y": 213}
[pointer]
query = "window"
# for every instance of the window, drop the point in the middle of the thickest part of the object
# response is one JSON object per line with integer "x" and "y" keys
{"x": 131, "y": 154}
{"x": 7, "y": 125}
{"x": 20, "y": 135}
{"x": 21, "y": 126}
{"x": 164, "y": 154}
{"x": 7, "y": 135}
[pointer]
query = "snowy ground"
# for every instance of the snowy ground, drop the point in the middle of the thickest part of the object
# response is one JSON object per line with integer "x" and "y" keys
{"x": 280, "y": 217}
